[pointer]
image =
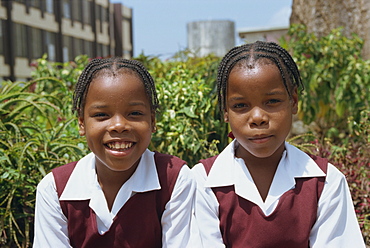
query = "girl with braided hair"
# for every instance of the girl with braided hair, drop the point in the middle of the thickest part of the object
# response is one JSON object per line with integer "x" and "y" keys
{"x": 261, "y": 191}
{"x": 121, "y": 194}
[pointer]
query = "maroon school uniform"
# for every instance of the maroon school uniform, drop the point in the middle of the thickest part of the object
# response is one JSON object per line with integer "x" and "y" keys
{"x": 243, "y": 224}
{"x": 138, "y": 222}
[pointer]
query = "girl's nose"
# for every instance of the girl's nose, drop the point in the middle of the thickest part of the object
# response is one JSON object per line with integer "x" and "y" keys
{"x": 258, "y": 117}
{"x": 118, "y": 124}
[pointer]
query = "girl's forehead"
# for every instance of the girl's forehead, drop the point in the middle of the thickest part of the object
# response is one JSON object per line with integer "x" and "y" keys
{"x": 251, "y": 62}
{"x": 245, "y": 75}
{"x": 116, "y": 72}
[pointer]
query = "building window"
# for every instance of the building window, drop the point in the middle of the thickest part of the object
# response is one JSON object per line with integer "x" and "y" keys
{"x": 20, "y": 37}
{"x": 105, "y": 50}
{"x": 86, "y": 11}
{"x": 66, "y": 9}
{"x": 36, "y": 44}
{"x": 98, "y": 16}
{"x": 49, "y": 6}
{"x": 88, "y": 48}
{"x": 78, "y": 47}
{"x": 1, "y": 38}
{"x": 67, "y": 49}
{"x": 104, "y": 14}
{"x": 99, "y": 50}
{"x": 50, "y": 45}
{"x": 76, "y": 8}
{"x": 35, "y": 3}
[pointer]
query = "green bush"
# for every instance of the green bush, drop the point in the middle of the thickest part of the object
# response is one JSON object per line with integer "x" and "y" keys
{"x": 36, "y": 136}
{"x": 189, "y": 123}
{"x": 336, "y": 79}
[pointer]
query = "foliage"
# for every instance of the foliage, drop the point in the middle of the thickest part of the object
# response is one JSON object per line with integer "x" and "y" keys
{"x": 336, "y": 79}
{"x": 189, "y": 124}
{"x": 37, "y": 133}
{"x": 353, "y": 160}
{"x": 67, "y": 72}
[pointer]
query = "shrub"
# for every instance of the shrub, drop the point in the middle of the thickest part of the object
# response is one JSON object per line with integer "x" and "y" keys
{"x": 336, "y": 80}
{"x": 353, "y": 160}
{"x": 38, "y": 133}
{"x": 189, "y": 123}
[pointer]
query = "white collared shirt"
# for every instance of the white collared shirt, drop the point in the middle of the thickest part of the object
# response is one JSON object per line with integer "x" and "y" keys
{"x": 51, "y": 224}
{"x": 336, "y": 224}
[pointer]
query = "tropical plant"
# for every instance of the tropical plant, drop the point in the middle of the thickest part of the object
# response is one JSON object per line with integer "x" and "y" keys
{"x": 37, "y": 134}
{"x": 189, "y": 123}
{"x": 336, "y": 79}
{"x": 353, "y": 160}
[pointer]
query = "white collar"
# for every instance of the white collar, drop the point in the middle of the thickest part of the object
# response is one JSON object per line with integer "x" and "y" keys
{"x": 228, "y": 170}
{"x": 83, "y": 185}
{"x": 83, "y": 180}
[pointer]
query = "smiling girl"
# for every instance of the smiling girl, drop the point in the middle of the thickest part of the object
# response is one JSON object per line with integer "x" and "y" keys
{"x": 260, "y": 191}
{"x": 121, "y": 194}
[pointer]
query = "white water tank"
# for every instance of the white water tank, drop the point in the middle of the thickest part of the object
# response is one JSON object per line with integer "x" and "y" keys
{"x": 206, "y": 37}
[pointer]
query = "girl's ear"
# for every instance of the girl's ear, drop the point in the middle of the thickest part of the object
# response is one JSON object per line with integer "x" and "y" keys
{"x": 294, "y": 101}
{"x": 226, "y": 117}
{"x": 81, "y": 125}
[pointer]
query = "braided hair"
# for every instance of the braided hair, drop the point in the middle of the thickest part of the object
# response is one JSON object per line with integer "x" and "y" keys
{"x": 247, "y": 54}
{"x": 112, "y": 66}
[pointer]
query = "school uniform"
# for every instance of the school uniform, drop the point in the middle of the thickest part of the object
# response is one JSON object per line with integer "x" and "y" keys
{"x": 134, "y": 197}
{"x": 229, "y": 180}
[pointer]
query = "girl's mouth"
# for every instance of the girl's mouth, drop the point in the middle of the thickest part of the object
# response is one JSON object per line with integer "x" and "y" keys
{"x": 119, "y": 146}
{"x": 260, "y": 139}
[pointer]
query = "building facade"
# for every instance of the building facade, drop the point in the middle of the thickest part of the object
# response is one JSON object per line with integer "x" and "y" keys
{"x": 250, "y": 35}
{"x": 62, "y": 29}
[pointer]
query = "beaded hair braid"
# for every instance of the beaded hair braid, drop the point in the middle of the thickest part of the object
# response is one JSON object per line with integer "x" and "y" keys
{"x": 112, "y": 66}
{"x": 251, "y": 53}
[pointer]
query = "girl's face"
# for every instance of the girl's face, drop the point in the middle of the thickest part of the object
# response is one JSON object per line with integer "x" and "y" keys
{"x": 117, "y": 121}
{"x": 259, "y": 110}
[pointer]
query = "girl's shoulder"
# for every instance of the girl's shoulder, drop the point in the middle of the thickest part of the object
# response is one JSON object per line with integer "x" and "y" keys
{"x": 170, "y": 160}
{"x": 61, "y": 175}
{"x": 208, "y": 162}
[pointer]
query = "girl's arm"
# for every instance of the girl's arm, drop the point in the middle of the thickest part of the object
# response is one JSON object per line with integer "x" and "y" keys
{"x": 176, "y": 220}
{"x": 206, "y": 211}
{"x": 50, "y": 222}
{"x": 336, "y": 224}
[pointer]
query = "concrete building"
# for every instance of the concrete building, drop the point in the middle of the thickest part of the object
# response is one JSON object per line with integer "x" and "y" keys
{"x": 62, "y": 29}
{"x": 206, "y": 37}
{"x": 249, "y": 35}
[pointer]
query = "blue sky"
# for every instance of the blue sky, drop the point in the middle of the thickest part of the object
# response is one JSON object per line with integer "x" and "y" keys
{"x": 160, "y": 25}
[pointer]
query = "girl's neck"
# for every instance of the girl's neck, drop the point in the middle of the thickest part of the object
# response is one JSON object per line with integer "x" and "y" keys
{"x": 112, "y": 181}
{"x": 262, "y": 170}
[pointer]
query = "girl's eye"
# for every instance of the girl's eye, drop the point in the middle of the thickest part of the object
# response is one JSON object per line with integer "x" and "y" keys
{"x": 136, "y": 113}
{"x": 273, "y": 101}
{"x": 99, "y": 115}
{"x": 239, "y": 105}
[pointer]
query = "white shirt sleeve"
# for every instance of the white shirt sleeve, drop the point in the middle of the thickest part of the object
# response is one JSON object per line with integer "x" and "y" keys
{"x": 206, "y": 211}
{"x": 336, "y": 225}
{"x": 50, "y": 222}
{"x": 177, "y": 227}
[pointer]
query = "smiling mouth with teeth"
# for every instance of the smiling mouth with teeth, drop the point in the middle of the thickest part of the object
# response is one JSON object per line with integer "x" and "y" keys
{"x": 119, "y": 146}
